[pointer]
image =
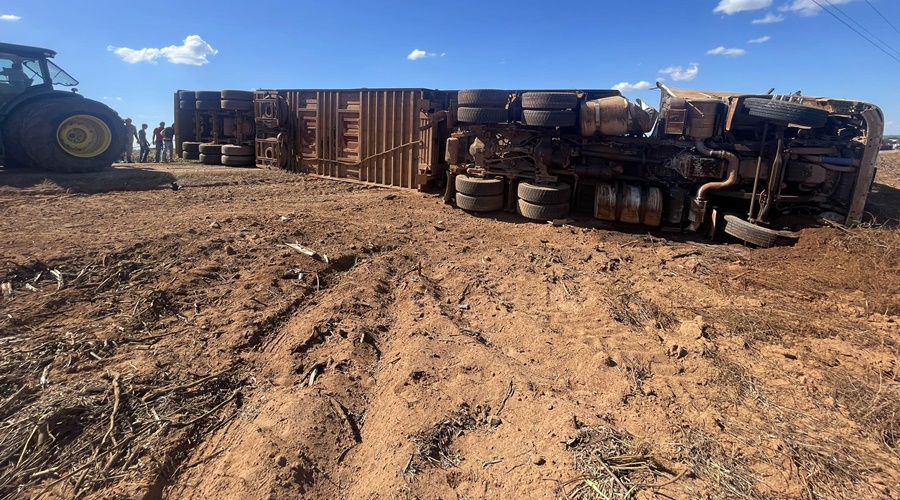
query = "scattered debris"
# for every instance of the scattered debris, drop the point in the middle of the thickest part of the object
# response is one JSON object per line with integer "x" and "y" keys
{"x": 306, "y": 251}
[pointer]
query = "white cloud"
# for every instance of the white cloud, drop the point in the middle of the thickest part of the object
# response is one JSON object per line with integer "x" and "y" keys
{"x": 9, "y": 17}
{"x": 733, "y": 6}
{"x": 194, "y": 50}
{"x": 420, "y": 54}
{"x": 443, "y": 54}
{"x": 809, "y": 7}
{"x": 680, "y": 74}
{"x": 105, "y": 98}
{"x": 722, "y": 51}
{"x": 625, "y": 86}
{"x": 762, "y": 39}
{"x": 769, "y": 19}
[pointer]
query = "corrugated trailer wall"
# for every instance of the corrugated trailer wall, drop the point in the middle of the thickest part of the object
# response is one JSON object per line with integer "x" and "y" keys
{"x": 380, "y": 136}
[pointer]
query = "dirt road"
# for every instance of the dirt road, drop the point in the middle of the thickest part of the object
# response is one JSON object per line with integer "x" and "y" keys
{"x": 161, "y": 340}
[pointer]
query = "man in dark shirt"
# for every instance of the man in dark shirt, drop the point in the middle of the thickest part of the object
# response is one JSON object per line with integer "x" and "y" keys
{"x": 143, "y": 143}
{"x": 169, "y": 150}
{"x": 158, "y": 140}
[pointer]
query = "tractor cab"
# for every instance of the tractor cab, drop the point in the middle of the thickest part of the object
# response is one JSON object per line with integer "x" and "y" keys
{"x": 28, "y": 70}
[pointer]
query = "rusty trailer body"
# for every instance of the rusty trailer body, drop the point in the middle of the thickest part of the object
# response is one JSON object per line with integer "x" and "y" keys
{"x": 381, "y": 136}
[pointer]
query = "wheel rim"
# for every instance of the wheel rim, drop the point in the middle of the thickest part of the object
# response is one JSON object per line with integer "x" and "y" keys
{"x": 83, "y": 136}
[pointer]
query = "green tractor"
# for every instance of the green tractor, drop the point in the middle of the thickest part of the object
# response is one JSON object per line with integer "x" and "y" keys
{"x": 48, "y": 129}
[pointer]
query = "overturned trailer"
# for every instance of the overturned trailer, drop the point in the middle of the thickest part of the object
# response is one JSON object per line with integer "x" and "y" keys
{"x": 756, "y": 166}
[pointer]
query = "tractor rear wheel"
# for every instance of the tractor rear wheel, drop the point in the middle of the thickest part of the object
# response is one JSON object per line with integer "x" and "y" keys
{"x": 69, "y": 135}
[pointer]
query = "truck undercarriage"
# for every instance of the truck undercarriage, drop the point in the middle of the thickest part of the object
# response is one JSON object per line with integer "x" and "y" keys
{"x": 759, "y": 165}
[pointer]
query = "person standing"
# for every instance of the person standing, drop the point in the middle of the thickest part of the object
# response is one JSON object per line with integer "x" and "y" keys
{"x": 158, "y": 139}
{"x": 143, "y": 143}
{"x": 168, "y": 139}
{"x": 130, "y": 133}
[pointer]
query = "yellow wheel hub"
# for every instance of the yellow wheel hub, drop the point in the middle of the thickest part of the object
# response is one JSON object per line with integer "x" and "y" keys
{"x": 83, "y": 136}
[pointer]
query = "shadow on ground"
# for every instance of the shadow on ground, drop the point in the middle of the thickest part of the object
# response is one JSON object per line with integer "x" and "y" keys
{"x": 114, "y": 179}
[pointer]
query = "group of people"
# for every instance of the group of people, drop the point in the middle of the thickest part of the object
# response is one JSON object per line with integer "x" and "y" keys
{"x": 163, "y": 138}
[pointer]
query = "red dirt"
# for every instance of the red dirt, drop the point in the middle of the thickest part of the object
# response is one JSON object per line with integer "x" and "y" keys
{"x": 433, "y": 354}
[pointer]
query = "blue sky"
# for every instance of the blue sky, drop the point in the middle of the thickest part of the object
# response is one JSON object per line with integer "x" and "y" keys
{"x": 135, "y": 55}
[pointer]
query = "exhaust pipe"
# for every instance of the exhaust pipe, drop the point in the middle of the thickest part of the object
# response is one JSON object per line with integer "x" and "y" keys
{"x": 698, "y": 205}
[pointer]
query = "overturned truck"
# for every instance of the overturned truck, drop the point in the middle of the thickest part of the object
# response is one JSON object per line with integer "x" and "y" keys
{"x": 757, "y": 167}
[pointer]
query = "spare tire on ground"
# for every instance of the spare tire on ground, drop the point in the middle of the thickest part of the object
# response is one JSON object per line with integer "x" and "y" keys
{"x": 760, "y": 236}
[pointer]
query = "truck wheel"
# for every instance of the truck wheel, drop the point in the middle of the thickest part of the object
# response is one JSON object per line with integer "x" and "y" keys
{"x": 549, "y": 100}
{"x": 210, "y": 149}
{"x": 544, "y": 195}
{"x": 71, "y": 134}
{"x": 190, "y": 147}
{"x": 190, "y": 155}
{"x": 187, "y": 104}
{"x": 237, "y": 105}
{"x": 479, "y": 203}
{"x": 786, "y": 112}
{"x": 239, "y": 161}
{"x": 758, "y": 235}
{"x": 483, "y": 98}
{"x": 476, "y": 186}
{"x": 482, "y": 115}
{"x": 542, "y": 118}
{"x": 237, "y": 95}
{"x": 210, "y": 159}
{"x": 542, "y": 212}
{"x": 236, "y": 150}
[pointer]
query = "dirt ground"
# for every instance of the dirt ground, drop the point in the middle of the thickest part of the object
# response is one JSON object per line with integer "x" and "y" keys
{"x": 160, "y": 340}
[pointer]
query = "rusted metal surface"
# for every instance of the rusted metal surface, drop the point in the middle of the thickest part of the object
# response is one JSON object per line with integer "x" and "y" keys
{"x": 379, "y": 136}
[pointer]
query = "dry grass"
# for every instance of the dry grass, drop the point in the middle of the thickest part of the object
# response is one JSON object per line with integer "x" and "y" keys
{"x": 873, "y": 405}
{"x": 612, "y": 465}
{"x": 637, "y": 312}
{"x": 434, "y": 446}
{"x": 707, "y": 458}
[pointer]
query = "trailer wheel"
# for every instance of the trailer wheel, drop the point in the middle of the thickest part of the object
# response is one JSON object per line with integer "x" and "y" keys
{"x": 786, "y": 112}
{"x": 476, "y": 186}
{"x": 237, "y": 105}
{"x": 549, "y": 100}
{"x": 479, "y": 203}
{"x": 544, "y": 118}
{"x": 237, "y": 95}
{"x": 758, "y": 235}
{"x": 190, "y": 155}
{"x": 191, "y": 104}
{"x": 207, "y": 95}
{"x": 238, "y": 150}
{"x": 70, "y": 134}
{"x": 542, "y": 212}
{"x": 482, "y": 115}
{"x": 190, "y": 147}
{"x": 210, "y": 149}
{"x": 483, "y": 98}
{"x": 544, "y": 195}
{"x": 210, "y": 159}
{"x": 208, "y": 105}
{"x": 239, "y": 161}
